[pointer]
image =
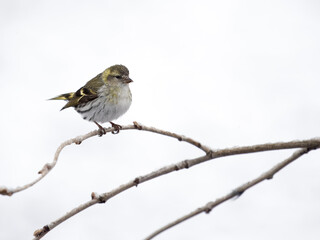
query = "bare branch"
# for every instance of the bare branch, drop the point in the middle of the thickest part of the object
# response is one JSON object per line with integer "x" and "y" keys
{"x": 102, "y": 198}
{"x": 78, "y": 140}
{"x": 312, "y": 143}
{"x": 235, "y": 193}
{"x": 210, "y": 154}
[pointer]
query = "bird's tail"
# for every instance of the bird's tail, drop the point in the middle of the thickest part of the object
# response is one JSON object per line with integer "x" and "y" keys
{"x": 66, "y": 96}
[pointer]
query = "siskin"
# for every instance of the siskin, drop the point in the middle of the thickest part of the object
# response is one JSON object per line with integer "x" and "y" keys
{"x": 103, "y": 99}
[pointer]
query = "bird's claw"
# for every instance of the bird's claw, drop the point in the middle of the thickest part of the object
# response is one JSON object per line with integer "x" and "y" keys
{"x": 116, "y": 128}
{"x": 101, "y": 130}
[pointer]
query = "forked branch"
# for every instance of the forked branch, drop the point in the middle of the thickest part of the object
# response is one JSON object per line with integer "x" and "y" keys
{"x": 78, "y": 140}
{"x": 235, "y": 193}
{"x": 210, "y": 154}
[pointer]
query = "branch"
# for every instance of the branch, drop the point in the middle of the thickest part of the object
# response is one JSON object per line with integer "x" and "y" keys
{"x": 210, "y": 154}
{"x": 235, "y": 193}
{"x": 78, "y": 140}
{"x": 312, "y": 143}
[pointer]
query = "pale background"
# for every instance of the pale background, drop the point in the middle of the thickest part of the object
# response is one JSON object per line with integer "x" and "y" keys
{"x": 227, "y": 73}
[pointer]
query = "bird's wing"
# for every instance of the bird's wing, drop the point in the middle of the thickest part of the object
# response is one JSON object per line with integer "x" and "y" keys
{"x": 85, "y": 94}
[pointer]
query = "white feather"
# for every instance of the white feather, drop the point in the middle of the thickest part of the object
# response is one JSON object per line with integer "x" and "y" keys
{"x": 102, "y": 109}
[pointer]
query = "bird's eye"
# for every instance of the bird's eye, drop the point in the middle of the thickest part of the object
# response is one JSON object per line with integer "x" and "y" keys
{"x": 118, "y": 76}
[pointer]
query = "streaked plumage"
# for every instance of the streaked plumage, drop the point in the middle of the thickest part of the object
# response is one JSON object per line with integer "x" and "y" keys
{"x": 104, "y": 98}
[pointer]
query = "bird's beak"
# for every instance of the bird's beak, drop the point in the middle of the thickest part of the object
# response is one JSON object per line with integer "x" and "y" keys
{"x": 128, "y": 80}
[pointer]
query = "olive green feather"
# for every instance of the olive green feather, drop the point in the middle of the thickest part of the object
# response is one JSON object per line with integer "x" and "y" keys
{"x": 85, "y": 94}
{"x": 90, "y": 91}
{"x": 65, "y": 96}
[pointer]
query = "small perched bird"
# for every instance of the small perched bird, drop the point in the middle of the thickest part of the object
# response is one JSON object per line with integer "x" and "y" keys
{"x": 103, "y": 99}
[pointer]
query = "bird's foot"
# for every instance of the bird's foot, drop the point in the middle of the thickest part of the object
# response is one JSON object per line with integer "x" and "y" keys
{"x": 102, "y": 131}
{"x": 116, "y": 128}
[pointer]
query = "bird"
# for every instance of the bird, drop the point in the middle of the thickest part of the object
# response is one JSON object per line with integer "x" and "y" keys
{"x": 104, "y": 98}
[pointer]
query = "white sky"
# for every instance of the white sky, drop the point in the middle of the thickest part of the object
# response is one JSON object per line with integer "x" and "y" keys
{"x": 227, "y": 73}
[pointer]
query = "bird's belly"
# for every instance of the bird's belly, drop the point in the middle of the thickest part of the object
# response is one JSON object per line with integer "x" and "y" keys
{"x": 101, "y": 111}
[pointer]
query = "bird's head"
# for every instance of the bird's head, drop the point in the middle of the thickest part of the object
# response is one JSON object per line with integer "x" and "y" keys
{"x": 116, "y": 73}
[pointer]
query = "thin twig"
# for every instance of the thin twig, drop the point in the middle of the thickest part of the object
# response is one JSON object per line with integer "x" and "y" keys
{"x": 214, "y": 154}
{"x": 78, "y": 140}
{"x": 102, "y": 198}
{"x": 236, "y": 192}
